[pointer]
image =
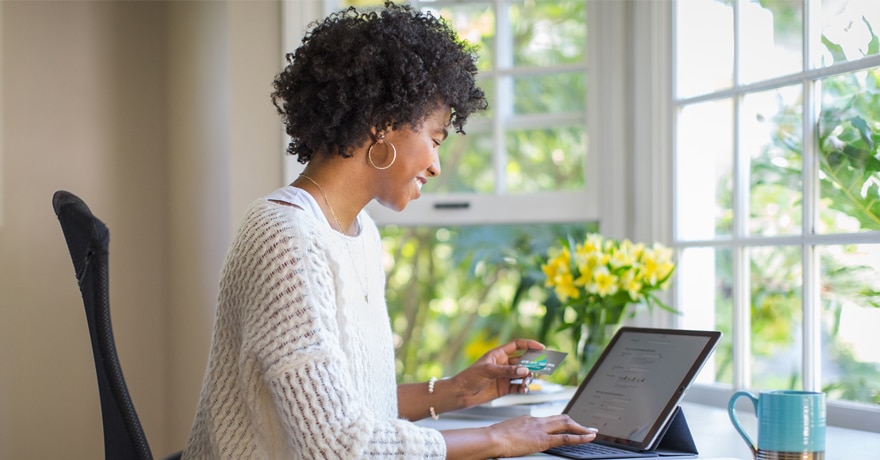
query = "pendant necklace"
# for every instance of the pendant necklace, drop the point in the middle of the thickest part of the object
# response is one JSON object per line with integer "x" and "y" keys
{"x": 341, "y": 230}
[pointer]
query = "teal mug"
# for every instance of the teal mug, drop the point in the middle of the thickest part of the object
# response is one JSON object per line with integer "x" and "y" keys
{"x": 791, "y": 424}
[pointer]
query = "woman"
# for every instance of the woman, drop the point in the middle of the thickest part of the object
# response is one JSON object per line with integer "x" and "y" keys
{"x": 302, "y": 362}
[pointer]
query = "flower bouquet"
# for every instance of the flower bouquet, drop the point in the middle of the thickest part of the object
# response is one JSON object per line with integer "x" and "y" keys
{"x": 594, "y": 281}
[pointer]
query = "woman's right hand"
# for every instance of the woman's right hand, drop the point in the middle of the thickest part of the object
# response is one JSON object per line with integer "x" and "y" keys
{"x": 516, "y": 437}
{"x": 525, "y": 435}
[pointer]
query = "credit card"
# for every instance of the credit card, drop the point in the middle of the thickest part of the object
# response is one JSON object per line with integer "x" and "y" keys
{"x": 542, "y": 361}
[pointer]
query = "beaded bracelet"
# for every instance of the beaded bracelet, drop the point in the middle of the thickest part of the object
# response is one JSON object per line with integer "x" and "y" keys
{"x": 431, "y": 383}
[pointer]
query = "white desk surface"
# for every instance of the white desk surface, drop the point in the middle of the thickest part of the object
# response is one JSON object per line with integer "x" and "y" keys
{"x": 716, "y": 438}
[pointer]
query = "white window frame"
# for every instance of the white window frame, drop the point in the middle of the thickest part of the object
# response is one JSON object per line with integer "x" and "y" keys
{"x": 839, "y": 413}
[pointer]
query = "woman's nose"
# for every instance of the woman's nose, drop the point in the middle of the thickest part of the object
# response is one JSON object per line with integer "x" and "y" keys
{"x": 434, "y": 169}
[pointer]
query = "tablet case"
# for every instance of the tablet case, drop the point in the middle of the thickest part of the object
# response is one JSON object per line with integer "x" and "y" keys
{"x": 676, "y": 440}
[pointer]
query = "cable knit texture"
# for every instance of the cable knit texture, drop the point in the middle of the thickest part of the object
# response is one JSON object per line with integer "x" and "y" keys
{"x": 301, "y": 366}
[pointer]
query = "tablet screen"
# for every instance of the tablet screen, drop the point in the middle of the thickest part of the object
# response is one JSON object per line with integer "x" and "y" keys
{"x": 632, "y": 390}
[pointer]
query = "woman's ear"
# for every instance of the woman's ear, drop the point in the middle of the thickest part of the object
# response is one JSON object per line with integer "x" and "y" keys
{"x": 377, "y": 136}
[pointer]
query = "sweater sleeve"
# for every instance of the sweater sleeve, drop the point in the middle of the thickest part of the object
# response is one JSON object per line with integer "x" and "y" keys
{"x": 291, "y": 341}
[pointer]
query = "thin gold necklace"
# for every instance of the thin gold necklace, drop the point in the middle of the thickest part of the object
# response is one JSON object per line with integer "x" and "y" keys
{"x": 341, "y": 230}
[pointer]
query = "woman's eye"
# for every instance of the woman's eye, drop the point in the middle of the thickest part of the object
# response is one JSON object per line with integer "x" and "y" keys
{"x": 436, "y": 142}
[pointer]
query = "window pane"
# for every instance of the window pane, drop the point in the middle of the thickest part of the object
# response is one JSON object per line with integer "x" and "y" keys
{"x": 704, "y": 171}
{"x": 554, "y": 93}
{"x": 776, "y": 305}
{"x": 546, "y": 159}
{"x": 474, "y": 22}
{"x": 771, "y": 135}
{"x": 851, "y": 318}
{"x": 488, "y": 87}
{"x": 533, "y": 71}
{"x": 772, "y": 39}
{"x": 847, "y": 27}
{"x": 465, "y": 164}
{"x": 703, "y": 46}
{"x": 705, "y": 293}
{"x": 548, "y": 32}
{"x": 849, "y": 153}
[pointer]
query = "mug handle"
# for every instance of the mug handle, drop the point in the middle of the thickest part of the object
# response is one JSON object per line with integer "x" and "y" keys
{"x": 731, "y": 411}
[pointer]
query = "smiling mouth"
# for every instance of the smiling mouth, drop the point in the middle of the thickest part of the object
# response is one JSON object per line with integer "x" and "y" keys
{"x": 419, "y": 183}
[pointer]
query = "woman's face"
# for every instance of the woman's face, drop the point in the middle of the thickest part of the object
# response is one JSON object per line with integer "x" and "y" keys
{"x": 417, "y": 159}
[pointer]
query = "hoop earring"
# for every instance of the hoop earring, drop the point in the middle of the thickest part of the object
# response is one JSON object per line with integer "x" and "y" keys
{"x": 370, "y": 155}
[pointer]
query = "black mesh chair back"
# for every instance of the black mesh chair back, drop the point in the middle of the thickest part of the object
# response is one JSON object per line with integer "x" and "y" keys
{"x": 87, "y": 240}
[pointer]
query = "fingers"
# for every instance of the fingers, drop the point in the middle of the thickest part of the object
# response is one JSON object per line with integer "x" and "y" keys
{"x": 523, "y": 344}
{"x": 509, "y": 371}
{"x": 571, "y": 439}
{"x": 506, "y": 378}
{"x": 515, "y": 348}
{"x": 569, "y": 431}
{"x": 563, "y": 424}
{"x": 535, "y": 434}
{"x": 521, "y": 385}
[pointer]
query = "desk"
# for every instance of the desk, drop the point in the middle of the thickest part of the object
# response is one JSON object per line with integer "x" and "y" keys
{"x": 715, "y": 437}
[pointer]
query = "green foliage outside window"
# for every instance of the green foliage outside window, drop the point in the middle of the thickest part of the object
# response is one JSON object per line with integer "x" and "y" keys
{"x": 849, "y": 181}
{"x": 452, "y": 290}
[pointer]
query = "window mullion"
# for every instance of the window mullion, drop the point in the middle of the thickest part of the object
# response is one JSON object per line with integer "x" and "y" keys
{"x": 812, "y": 38}
{"x": 742, "y": 324}
{"x": 812, "y": 333}
{"x": 503, "y": 90}
{"x": 812, "y": 302}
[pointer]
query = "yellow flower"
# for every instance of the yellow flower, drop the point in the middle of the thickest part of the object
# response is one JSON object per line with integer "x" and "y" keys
{"x": 630, "y": 282}
{"x": 588, "y": 265}
{"x": 650, "y": 270}
{"x": 559, "y": 276}
{"x": 565, "y": 287}
{"x": 604, "y": 282}
{"x": 664, "y": 269}
{"x": 657, "y": 264}
{"x": 638, "y": 250}
{"x": 598, "y": 268}
{"x": 624, "y": 255}
{"x": 557, "y": 265}
{"x": 594, "y": 243}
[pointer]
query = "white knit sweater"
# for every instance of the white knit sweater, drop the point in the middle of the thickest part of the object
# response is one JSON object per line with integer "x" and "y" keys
{"x": 301, "y": 366}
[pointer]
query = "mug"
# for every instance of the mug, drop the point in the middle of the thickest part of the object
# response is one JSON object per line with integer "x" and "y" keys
{"x": 791, "y": 424}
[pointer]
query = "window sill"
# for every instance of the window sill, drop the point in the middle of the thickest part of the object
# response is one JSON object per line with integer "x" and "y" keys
{"x": 715, "y": 436}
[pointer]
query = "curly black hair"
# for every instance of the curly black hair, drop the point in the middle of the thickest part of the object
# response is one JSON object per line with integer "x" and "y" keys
{"x": 360, "y": 70}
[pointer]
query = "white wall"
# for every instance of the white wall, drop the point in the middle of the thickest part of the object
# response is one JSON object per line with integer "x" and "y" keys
{"x": 158, "y": 115}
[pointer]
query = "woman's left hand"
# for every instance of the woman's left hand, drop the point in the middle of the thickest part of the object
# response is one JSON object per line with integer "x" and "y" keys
{"x": 490, "y": 376}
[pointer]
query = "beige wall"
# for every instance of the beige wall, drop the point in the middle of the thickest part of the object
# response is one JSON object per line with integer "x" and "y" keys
{"x": 158, "y": 115}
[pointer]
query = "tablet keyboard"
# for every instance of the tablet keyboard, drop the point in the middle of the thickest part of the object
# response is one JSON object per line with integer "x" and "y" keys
{"x": 594, "y": 450}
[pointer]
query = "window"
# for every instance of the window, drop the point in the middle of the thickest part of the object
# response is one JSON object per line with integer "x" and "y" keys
{"x": 526, "y": 158}
{"x": 519, "y": 178}
{"x": 523, "y": 160}
{"x": 765, "y": 178}
{"x": 777, "y": 193}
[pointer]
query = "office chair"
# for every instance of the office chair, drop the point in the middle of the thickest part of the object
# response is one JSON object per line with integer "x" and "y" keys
{"x": 87, "y": 241}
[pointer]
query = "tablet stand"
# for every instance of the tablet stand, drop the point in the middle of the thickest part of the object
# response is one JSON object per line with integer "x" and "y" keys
{"x": 676, "y": 440}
